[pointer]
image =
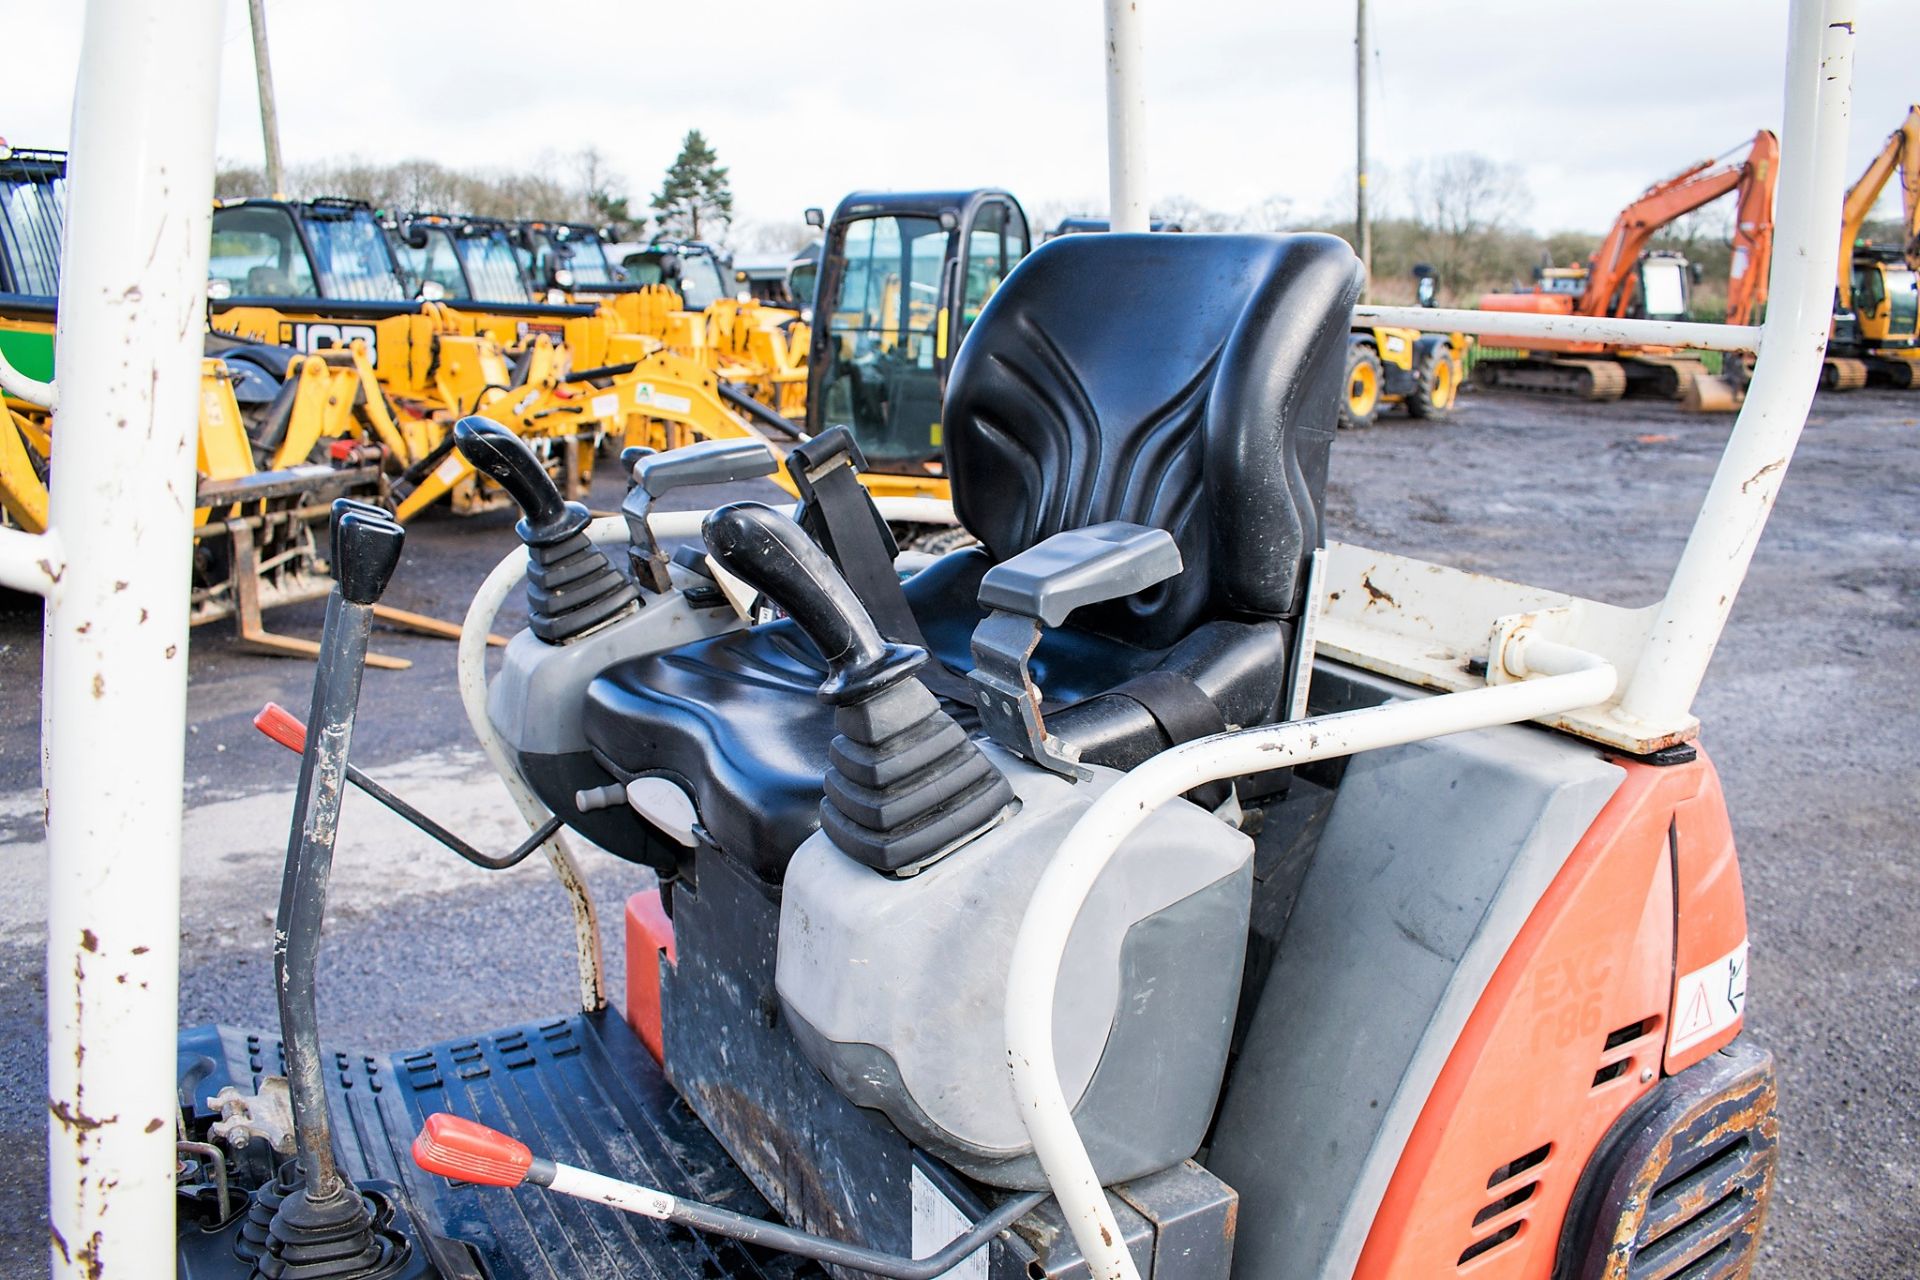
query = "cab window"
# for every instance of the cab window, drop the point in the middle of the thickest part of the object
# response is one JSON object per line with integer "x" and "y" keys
{"x": 257, "y": 251}
{"x": 890, "y": 291}
{"x": 589, "y": 261}
{"x": 995, "y": 243}
{"x": 493, "y": 269}
{"x": 353, "y": 260}
{"x": 1868, "y": 288}
{"x": 32, "y": 210}
{"x": 434, "y": 264}
{"x": 882, "y": 381}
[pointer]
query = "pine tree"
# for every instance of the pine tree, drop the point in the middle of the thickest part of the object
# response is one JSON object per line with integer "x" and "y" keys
{"x": 695, "y": 190}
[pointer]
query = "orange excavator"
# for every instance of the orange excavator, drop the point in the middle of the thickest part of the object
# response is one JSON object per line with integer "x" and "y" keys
{"x": 1876, "y": 314}
{"x": 1625, "y": 279}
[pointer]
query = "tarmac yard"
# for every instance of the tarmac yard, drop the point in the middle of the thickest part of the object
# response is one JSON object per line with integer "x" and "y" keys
{"x": 1810, "y": 712}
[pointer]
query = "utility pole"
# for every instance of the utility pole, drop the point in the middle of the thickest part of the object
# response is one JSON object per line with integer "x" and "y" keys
{"x": 1363, "y": 227}
{"x": 269, "y": 121}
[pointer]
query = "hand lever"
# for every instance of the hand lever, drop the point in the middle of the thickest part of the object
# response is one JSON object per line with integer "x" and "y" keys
{"x": 769, "y": 552}
{"x": 501, "y": 456}
{"x": 573, "y": 588}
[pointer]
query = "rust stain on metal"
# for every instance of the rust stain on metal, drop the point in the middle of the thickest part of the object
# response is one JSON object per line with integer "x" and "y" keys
{"x": 1776, "y": 465}
{"x": 779, "y": 1161}
{"x": 89, "y": 1258}
{"x": 1751, "y": 1110}
{"x": 76, "y": 1120}
{"x": 1374, "y": 594}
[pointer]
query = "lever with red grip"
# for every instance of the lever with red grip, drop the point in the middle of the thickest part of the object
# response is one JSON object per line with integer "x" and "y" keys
{"x": 455, "y": 1147}
{"x": 289, "y": 731}
{"x": 462, "y": 1149}
{"x": 283, "y": 727}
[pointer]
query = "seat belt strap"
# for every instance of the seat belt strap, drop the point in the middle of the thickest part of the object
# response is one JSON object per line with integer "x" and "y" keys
{"x": 1184, "y": 712}
{"x": 1176, "y": 703}
{"x": 838, "y": 514}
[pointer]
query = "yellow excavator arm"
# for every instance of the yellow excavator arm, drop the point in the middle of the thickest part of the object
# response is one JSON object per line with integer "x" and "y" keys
{"x": 1900, "y": 153}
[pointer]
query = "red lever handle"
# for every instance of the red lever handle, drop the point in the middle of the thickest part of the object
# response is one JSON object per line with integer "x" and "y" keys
{"x": 282, "y": 726}
{"x": 457, "y": 1148}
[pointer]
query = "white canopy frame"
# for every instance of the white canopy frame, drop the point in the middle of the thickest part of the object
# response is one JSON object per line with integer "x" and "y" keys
{"x": 114, "y": 569}
{"x": 1619, "y": 676}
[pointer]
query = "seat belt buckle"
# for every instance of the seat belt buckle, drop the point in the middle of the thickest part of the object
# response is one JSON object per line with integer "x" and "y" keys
{"x": 810, "y": 461}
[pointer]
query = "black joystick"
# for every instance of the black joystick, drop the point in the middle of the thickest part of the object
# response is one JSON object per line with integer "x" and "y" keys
{"x": 573, "y": 587}
{"x": 904, "y": 783}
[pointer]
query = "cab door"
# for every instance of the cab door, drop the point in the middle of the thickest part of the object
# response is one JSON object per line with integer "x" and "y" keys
{"x": 876, "y": 366}
{"x": 991, "y": 243}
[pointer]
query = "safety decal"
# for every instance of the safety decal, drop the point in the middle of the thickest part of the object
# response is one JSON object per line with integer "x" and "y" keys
{"x": 1709, "y": 1000}
{"x": 937, "y": 1221}
{"x": 646, "y": 397}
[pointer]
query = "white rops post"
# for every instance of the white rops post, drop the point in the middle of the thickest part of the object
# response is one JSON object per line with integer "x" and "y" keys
{"x": 1620, "y": 676}
{"x": 114, "y": 567}
{"x": 1126, "y": 120}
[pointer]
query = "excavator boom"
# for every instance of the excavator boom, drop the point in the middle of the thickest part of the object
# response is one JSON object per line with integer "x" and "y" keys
{"x": 1900, "y": 153}
{"x": 1607, "y": 292}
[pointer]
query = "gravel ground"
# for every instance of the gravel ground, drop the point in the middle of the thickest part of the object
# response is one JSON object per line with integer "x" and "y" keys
{"x": 1814, "y": 749}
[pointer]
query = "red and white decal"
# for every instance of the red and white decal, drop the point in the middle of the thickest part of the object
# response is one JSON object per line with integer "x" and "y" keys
{"x": 1709, "y": 1000}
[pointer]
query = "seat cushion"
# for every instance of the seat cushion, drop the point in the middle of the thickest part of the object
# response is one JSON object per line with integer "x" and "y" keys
{"x": 734, "y": 719}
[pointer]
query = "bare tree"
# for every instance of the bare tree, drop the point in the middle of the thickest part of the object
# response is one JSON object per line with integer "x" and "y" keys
{"x": 1191, "y": 215}
{"x": 1468, "y": 204}
{"x": 1274, "y": 213}
{"x": 1465, "y": 193}
{"x": 770, "y": 236}
{"x": 575, "y": 188}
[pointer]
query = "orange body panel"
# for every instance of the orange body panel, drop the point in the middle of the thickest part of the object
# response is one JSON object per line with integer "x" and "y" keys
{"x": 1712, "y": 907}
{"x": 1570, "y": 1031}
{"x": 649, "y": 940}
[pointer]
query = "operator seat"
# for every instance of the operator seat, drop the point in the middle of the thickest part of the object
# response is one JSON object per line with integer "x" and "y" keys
{"x": 1186, "y": 382}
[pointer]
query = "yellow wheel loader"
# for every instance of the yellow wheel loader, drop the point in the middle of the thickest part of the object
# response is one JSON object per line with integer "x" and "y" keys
{"x": 1389, "y": 366}
{"x": 281, "y": 434}
{"x": 322, "y": 274}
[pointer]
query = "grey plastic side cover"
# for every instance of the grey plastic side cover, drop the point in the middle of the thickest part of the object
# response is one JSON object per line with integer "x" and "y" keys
{"x": 1433, "y": 857}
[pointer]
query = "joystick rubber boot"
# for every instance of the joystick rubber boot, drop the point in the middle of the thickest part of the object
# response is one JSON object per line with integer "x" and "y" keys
{"x": 904, "y": 783}
{"x": 572, "y": 586}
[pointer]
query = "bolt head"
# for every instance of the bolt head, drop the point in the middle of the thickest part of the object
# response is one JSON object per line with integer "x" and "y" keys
{"x": 1646, "y": 1075}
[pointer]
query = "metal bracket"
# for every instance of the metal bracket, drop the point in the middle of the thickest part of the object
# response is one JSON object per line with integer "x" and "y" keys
{"x": 651, "y": 474}
{"x": 1008, "y": 699}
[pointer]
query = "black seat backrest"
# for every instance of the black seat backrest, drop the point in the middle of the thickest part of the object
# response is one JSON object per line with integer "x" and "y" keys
{"x": 1188, "y": 382}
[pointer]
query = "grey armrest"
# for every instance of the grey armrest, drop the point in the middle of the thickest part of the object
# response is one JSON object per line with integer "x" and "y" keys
{"x": 1078, "y": 567}
{"x": 708, "y": 462}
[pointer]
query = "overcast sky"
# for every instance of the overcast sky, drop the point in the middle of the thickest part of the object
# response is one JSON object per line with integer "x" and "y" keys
{"x": 1247, "y": 99}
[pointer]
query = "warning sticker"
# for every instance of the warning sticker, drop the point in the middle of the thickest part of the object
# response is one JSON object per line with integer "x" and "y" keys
{"x": 607, "y": 405}
{"x": 1709, "y": 1000}
{"x": 937, "y": 1222}
{"x": 646, "y": 397}
{"x": 450, "y": 471}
